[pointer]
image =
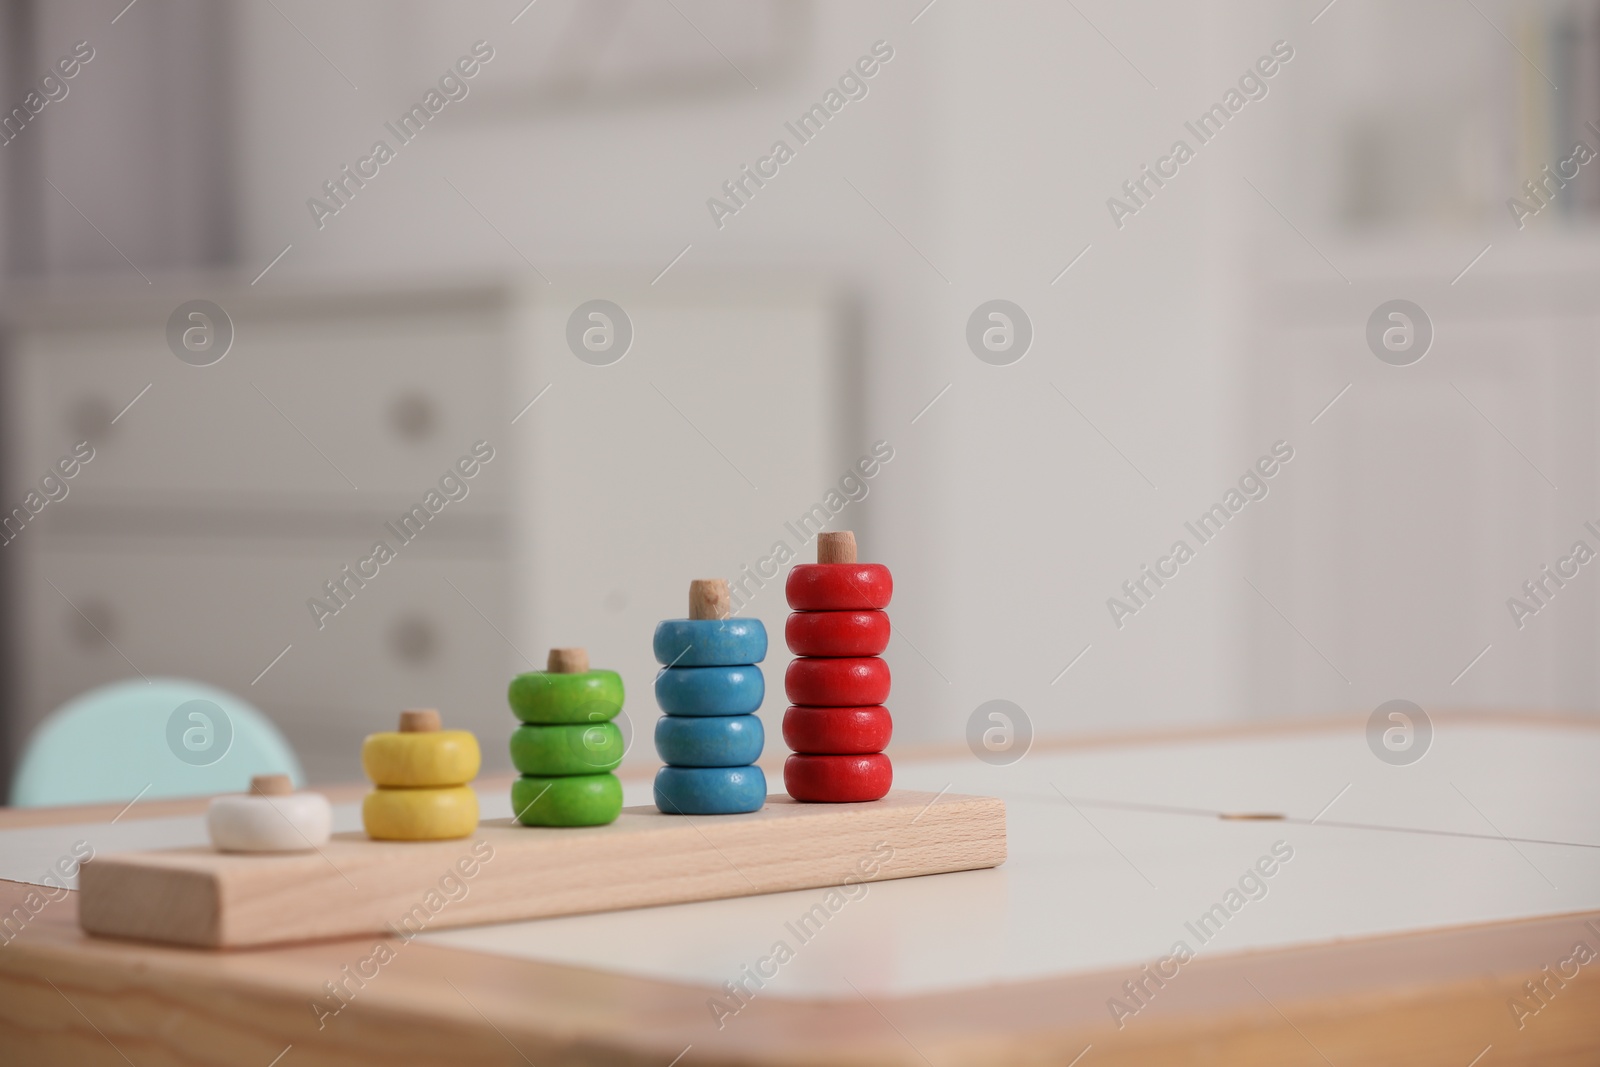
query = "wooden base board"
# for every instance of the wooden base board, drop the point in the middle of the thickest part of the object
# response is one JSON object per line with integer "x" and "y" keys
{"x": 506, "y": 872}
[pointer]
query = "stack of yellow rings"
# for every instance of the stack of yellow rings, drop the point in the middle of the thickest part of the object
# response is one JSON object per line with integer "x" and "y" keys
{"x": 421, "y": 773}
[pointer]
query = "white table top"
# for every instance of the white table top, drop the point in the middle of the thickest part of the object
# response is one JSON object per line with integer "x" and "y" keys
{"x": 1090, "y": 886}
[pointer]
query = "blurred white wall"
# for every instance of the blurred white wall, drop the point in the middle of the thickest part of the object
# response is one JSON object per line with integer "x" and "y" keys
{"x": 1176, "y": 350}
{"x": 1008, "y": 518}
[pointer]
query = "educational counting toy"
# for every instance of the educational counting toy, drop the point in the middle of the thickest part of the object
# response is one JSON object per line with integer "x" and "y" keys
{"x": 567, "y": 746}
{"x": 276, "y": 875}
{"x": 421, "y": 773}
{"x": 837, "y": 724}
{"x": 710, "y": 687}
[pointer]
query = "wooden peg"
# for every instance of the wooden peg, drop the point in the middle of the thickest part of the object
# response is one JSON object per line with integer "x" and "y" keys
{"x": 708, "y": 599}
{"x": 836, "y": 547}
{"x": 419, "y": 721}
{"x": 568, "y": 661}
{"x": 271, "y": 785}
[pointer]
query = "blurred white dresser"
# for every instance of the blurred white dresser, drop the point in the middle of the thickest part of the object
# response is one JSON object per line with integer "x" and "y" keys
{"x": 227, "y": 495}
{"x": 1423, "y": 497}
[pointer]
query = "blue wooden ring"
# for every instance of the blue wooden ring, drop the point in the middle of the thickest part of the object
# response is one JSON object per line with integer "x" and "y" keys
{"x": 710, "y": 642}
{"x": 709, "y": 740}
{"x": 710, "y": 790}
{"x": 710, "y": 690}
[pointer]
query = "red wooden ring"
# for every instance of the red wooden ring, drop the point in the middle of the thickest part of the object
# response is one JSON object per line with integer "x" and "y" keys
{"x": 837, "y": 731}
{"x": 837, "y": 633}
{"x": 853, "y": 682}
{"x": 838, "y": 779}
{"x": 839, "y": 586}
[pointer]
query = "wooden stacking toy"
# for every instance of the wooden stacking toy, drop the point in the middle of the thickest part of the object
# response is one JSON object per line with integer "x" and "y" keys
{"x": 567, "y": 746}
{"x": 272, "y": 817}
{"x": 710, "y": 688}
{"x": 837, "y": 724}
{"x": 421, "y": 773}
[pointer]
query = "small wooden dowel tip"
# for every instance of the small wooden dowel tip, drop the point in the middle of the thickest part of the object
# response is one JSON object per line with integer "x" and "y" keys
{"x": 271, "y": 785}
{"x": 709, "y": 599}
{"x": 419, "y": 720}
{"x": 836, "y": 547}
{"x": 568, "y": 661}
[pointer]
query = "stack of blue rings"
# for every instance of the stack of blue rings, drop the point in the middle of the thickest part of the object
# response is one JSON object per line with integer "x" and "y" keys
{"x": 710, "y": 738}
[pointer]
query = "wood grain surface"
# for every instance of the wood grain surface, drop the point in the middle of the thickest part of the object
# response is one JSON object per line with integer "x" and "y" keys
{"x": 506, "y": 872}
{"x": 1436, "y": 998}
{"x": 1439, "y": 997}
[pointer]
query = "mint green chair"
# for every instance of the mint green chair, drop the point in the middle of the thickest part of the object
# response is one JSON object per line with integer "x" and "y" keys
{"x": 168, "y": 737}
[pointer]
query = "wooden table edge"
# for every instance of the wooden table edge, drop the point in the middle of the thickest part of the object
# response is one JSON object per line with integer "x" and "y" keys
{"x": 1431, "y": 996}
{"x": 1419, "y": 997}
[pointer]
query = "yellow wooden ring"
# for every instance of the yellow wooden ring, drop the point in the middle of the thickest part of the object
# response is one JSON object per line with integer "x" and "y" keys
{"x": 420, "y": 814}
{"x": 430, "y": 759}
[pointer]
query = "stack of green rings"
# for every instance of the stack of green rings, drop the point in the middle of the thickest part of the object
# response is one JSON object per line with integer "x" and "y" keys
{"x": 567, "y": 746}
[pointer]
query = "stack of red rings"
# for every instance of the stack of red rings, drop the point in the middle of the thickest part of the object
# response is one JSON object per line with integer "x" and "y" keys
{"x": 837, "y": 724}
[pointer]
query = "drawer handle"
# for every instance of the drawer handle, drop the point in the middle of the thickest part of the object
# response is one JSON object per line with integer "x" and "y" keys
{"x": 414, "y": 640}
{"x": 414, "y": 416}
{"x": 90, "y": 418}
{"x": 93, "y": 624}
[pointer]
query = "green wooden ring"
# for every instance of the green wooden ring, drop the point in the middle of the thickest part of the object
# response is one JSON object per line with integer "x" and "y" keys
{"x": 545, "y": 698}
{"x": 580, "y": 800}
{"x": 573, "y": 748}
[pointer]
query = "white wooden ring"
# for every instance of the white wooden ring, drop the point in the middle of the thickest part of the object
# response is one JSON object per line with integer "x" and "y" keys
{"x": 297, "y": 822}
